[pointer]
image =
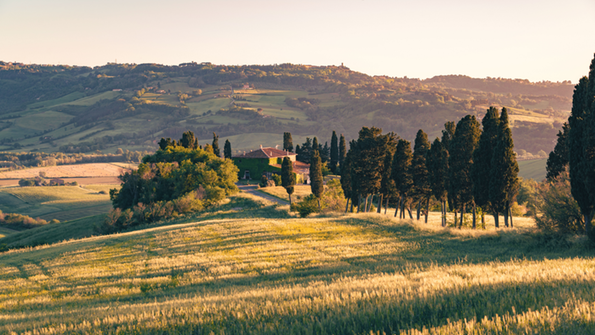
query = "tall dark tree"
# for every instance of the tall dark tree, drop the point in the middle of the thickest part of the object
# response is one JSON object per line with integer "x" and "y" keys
{"x": 227, "y": 149}
{"x": 188, "y": 140}
{"x": 305, "y": 151}
{"x": 353, "y": 156}
{"x": 287, "y": 142}
{"x": 578, "y": 162}
{"x": 334, "y": 159}
{"x": 460, "y": 162}
{"x": 438, "y": 174}
{"x": 558, "y": 158}
{"x": 482, "y": 158}
{"x": 315, "y": 145}
{"x": 589, "y": 147}
{"x": 346, "y": 181}
{"x": 165, "y": 142}
{"x": 342, "y": 150}
{"x": 447, "y": 135}
{"x": 215, "y": 145}
{"x": 387, "y": 184}
{"x": 325, "y": 153}
{"x": 419, "y": 171}
{"x": 503, "y": 171}
{"x": 367, "y": 165}
{"x": 287, "y": 176}
{"x": 401, "y": 173}
{"x": 316, "y": 181}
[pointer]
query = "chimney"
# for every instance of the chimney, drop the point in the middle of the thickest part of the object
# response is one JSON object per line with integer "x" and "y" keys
{"x": 261, "y": 146}
{"x": 277, "y": 146}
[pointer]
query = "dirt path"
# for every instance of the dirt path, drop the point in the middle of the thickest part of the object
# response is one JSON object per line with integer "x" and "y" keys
{"x": 252, "y": 190}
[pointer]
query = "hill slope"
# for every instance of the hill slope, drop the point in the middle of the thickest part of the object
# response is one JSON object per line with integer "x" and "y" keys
{"x": 347, "y": 274}
{"x": 81, "y": 109}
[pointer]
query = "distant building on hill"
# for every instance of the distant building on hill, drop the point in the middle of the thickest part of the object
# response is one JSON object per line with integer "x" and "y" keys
{"x": 267, "y": 161}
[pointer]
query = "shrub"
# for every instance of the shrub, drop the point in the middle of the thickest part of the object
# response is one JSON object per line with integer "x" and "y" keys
{"x": 307, "y": 206}
{"x": 333, "y": 198}
{"x": 26, "y": 182}
{"x": 277, "y": 179}
{"x": 556, "y": 209}
{"x": 20, "y": 221}
{"x": 263, "y": 181}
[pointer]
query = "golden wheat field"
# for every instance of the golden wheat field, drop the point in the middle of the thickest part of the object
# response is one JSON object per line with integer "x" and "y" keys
{"x": 69, "y": 171}
{"x": 252, "y": 268}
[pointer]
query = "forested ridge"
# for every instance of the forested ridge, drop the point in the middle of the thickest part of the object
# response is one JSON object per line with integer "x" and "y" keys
{"x": 132, "y": 106}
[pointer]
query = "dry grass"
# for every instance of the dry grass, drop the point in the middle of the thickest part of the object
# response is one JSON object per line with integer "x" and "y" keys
{"x": 300, "y": 191}
{"x": 354, "y": 273}
{"x": 63, "y": 171}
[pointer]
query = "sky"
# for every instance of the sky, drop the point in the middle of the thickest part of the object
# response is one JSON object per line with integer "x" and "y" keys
{"x": 538, "y": 40}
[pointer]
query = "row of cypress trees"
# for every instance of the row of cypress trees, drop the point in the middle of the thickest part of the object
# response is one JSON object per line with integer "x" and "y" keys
{"x": 333, "y": 156}
{"x": 468, "y": 167}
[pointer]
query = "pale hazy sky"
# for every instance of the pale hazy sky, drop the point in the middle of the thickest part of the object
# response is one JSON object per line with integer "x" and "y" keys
{"x": 530, "y": 39}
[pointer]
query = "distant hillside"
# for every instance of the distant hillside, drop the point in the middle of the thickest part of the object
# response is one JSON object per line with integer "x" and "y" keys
{"x": 129, "y": 106}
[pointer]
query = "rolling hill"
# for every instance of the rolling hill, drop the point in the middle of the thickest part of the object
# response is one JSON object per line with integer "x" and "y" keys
{"x": 249, "y": 267}
{"x": 129, "y": 106}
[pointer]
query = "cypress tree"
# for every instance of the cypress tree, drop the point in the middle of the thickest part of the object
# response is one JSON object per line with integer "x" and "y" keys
{"x": 287, "y": 176}
{"x": 315, "y": 145}
{"x": 503, "y": 171}
{"x": 334, "y": 159}
{"x": 352, "y": 156}
{"x": 447, "y": 135}
{"x": 188, "y": 140}
{"x": 305, "y": 151}
{"x": 324, "y": 153}
{"x": 342, "y": 150}
{"x": 401, "y": 173}
{"x": 419, "y": 171}
{"x": 558, "y": 158}
{"x": 367, "y": 165}
{"x": 346, "y": 182}
{"x": 438, "y": 174}
{"x": 227, "y": 149}
{"x": 316, "y": 181}
{"x": 287, "y": 142}
{"x": 577, "y": 162}
{"x": 460, "y": 161}
{"x": 166, "y": 142}
{"x": 482, "y": 158}
{"x": 589, "y": 147}
{"x": 387, "y": 184}
{"x": 215, "y": 145}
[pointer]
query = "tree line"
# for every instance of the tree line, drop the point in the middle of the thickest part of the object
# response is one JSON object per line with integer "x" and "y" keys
{"x": 470, "y": 166}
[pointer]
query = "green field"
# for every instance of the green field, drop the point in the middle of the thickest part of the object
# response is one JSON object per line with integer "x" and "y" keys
{"x": 88, "y": 101}
{"x": 54, "y": 232}
{"x": 5, "y": 231}
{"x": 247, "y": 267}
{"x": 533, "y": 169}
{"x": 57, "y": 202}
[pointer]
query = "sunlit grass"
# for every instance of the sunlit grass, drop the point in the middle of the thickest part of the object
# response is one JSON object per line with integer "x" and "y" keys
{"x": 55, "y": 202}
{"x": 261, "y": 273}
{"x": 300, "y": 191}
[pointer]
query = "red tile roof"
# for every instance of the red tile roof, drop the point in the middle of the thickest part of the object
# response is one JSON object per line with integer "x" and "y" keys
{"x": 266, "y": 153}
